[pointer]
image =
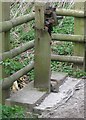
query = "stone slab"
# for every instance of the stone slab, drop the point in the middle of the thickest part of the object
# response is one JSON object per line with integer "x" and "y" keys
{"x": 27, "y": 97}
{"x": 57, "y": 79}
{"x": 58, "y": 76}
{"x": 66, "y": 90}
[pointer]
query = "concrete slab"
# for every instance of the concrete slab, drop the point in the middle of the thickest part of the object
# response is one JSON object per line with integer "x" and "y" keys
{"x": 27, "y": 97}
{"x": 30, "y": 96}
{"x": 57, "y": 79}
{"x": 58, "y": 76}
{"x": 55, "y": 99}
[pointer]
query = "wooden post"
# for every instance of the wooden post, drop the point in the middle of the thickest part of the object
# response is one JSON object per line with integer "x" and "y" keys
{"x": 85, "y": 37}
{"x": 42, "y": 50}
{"x": 4, "y": 43}
{"x": 79, "y": 29}
{"x": 85, "y": 59}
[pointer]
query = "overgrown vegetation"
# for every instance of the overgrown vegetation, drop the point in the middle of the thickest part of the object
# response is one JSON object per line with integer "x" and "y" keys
{"x": 66, "y": 26}
{"x": 17, "y": 112}
{"x": 13, "y": 65}
{"x": 12, "y": 112}
{"x": 24, "y": 33}
{"x": 63, "y": 48}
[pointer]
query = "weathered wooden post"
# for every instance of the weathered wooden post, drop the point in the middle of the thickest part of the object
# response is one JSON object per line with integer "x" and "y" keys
{"x": 42, "y": 50}
{"x": 4, "y": 43}
{"x": 80, "y": 29}
{"x": 85, "y": 37}
{"x": 85, "y": 58}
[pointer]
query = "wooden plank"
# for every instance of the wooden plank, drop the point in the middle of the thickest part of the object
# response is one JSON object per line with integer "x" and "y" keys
{"x": 79, "y": 29}
{"x": 4, "y": 42}
{"x": 42, "y": 51}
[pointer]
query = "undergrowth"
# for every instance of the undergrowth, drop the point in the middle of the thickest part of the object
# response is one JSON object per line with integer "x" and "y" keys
{"x": 25, "y": 33}
{"x": 66, "y": 26}
{"x": 15, "y": 112}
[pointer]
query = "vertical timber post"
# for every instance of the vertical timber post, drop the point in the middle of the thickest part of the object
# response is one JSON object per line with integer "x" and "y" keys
{"x": 85, "y": 36}
{"x": 79, "y": 29}
{"x": 42, "y": 50}
{"x": 85, "y": 57}
{"x": 4, "y": 44}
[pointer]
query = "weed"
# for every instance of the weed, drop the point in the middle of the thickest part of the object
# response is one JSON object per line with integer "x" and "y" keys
{"x": 12, "y": 112}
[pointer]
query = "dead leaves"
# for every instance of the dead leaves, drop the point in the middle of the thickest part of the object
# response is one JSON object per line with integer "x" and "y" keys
{"x": 19, "y": 84}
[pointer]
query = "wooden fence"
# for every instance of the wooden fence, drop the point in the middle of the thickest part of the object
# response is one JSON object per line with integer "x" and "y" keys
{"x": 42, "y": 44}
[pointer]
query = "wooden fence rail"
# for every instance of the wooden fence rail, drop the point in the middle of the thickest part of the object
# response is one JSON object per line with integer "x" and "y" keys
{"x": 68, "y": 12}
{"x": 16, "y": 51}
{"x": 7, "y": 25}
{"x": 69, "y": 38}
{"x": 8, "y": 82}
{"x": 70, "y": 59}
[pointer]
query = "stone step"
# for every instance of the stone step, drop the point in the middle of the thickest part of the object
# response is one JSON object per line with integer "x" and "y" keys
{"x": 27, "y": 97}
{"x": 30, "y": 97}
{"x": 57, "y": 79}
{"x": 66, "y": 90}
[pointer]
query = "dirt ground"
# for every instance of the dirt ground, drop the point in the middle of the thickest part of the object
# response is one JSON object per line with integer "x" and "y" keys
{"x": 72, "y": 108}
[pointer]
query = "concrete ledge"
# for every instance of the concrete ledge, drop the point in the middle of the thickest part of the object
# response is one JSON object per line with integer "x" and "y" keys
{"x": 66, "y": 91}
{"x": 27, "y": 97}
{"x": 57, "y": 79}
{"x": 30, "y": 97}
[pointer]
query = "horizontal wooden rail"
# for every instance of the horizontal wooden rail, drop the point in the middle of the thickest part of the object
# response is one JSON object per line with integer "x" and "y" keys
{"x": 7, "y": 25}
{"x": 16, "y": 51}
{"x": 70, "y": 38}
{"x": 70, "y": 12}
{"x": 7, "y": 82}
{"x": 71, "y": 59}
